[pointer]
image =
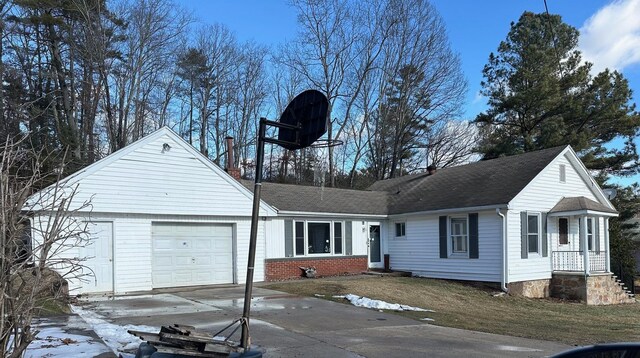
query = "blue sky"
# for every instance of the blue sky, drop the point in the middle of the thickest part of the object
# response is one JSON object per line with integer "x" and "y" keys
{"x": 475, "y": 29}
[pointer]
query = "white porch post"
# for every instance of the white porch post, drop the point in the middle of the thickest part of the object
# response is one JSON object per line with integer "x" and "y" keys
{"x": 585, "y": 244}
{"x": 607, "y": 256}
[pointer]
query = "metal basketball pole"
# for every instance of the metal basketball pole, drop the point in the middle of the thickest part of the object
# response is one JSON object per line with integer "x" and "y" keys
{"x": 253, "y": 238}
{"x": 245, "y": 340}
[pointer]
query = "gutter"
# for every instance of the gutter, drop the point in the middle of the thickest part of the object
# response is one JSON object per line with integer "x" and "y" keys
{"x": 505, "y": 255}
{"x": 327, "y": 214}
{"x": 447, "y": 211}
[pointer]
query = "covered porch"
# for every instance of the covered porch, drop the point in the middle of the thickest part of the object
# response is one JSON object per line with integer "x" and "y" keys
{"x": 587, "y": 222}
{"x": 580, "y": 261}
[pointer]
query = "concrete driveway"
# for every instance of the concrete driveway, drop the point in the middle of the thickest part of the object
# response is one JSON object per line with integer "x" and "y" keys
{"x": 290, "y": 326}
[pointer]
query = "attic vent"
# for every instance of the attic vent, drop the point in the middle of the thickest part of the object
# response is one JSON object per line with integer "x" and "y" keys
{"x": 563, "y": 173}
{"x": 166, "y": 147}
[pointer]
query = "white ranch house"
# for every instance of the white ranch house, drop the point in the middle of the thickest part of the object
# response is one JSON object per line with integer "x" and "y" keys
{"x": 163, "y": 215}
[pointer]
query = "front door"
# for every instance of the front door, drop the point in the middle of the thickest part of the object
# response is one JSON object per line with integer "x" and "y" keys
{"x": 375, "y": 249}
{"x": 98, "y": 253}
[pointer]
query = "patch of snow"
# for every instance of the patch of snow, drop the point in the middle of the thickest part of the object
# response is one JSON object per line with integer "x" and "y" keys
{"x": 517, "y": 349}
{"x": 318, "y": 295}
{"x": 379, "y": 305}
{"x": 115, "y": 336}
{"x": 427, "y": 319}
{"x": 55, "y": 342}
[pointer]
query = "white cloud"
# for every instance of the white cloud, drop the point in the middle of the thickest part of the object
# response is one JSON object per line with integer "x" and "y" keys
{"x": 611, "y": 37}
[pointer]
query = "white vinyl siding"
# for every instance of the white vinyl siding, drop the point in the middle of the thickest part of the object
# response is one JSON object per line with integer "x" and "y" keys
{"x": 419, "y": 252}
{"x": 540, "y": 195}
{"x": 147, "y": 181}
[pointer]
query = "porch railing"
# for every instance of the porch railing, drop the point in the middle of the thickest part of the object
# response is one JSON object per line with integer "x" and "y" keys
{"x": 574, "y": 261}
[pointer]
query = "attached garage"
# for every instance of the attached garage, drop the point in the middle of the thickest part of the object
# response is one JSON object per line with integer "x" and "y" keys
{"x": 189, "y": 254}
{"x": 162, "y": 215}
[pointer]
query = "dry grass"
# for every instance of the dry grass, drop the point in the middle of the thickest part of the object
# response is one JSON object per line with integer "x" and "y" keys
{"x": 474, "y": 307}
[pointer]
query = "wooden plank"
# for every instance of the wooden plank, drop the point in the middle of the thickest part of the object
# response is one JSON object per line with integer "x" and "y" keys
{"x": 145, "y": 335}
{"x": 164, "y": 344}
{"x": 190, "y": 328}
{"x": 182, "y": 338}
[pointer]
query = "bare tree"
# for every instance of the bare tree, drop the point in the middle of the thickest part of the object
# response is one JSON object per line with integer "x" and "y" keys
{"x": 27, "y": 277}
{"x": 154, "y": 32}
{"x": 452, "y": 144}
{"x": 421, "y": 86}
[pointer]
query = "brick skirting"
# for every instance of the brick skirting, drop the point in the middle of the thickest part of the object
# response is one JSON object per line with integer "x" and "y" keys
{"x": 289, "y": 268}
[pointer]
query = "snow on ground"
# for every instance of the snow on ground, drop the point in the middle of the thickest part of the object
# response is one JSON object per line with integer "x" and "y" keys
{"x": 378, "y": 304}
{"x": 53, "y": 340}
{"x": 115, "y": 336}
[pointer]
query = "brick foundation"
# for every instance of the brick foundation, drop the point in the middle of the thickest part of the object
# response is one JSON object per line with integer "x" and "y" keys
{"x": 289, "y": 268}
{"x": 596, "y": 289}
{"x": 532, "y": 289}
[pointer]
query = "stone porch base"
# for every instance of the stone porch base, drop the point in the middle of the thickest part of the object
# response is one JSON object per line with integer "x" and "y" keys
{"x": 595, "y": 289}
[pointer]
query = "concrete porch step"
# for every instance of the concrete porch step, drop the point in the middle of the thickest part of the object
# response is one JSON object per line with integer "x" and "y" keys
{"x": 386, "y": 273}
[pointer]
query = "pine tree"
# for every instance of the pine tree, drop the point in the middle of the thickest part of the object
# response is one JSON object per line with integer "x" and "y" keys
{"x": 541, "y": 94}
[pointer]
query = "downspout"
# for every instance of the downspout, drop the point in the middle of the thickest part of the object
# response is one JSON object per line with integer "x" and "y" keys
{"x": 505, "y": 256}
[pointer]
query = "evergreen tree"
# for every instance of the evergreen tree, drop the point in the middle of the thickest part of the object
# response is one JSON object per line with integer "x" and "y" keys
{"x": 541, "y": 94}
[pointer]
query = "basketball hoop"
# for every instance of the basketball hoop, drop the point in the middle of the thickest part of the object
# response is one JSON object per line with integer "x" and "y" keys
{"x": 301, "y": 125}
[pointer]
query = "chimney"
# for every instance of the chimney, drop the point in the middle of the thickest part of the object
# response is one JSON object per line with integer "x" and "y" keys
{"x": 431, "y": 169}
{"x": 231, "y": 169}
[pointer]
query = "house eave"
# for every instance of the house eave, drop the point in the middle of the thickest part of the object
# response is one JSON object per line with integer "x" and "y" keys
{"x": 582, "y": 212}
{"x": 329, "y": 214}
{"x": 451, "y": 210}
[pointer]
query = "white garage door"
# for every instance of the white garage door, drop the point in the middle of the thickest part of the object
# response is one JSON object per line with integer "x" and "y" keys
{"x": 192, "y": 254}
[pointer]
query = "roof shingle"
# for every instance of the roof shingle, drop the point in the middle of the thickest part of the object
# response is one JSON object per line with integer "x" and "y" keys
{"x": 304, "y": 198}
{"x": 578, "y": 204}
{"x": 484, "y": 183}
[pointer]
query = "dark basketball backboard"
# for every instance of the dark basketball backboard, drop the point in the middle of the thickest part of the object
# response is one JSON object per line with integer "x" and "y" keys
{"x": 308, "y": 111}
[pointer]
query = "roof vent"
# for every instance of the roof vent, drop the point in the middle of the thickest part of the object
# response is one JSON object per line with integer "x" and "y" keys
{"x": 431, "y": 169}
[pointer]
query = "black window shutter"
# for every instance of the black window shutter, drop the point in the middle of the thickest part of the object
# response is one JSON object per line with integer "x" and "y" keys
{"x": 348, "y": 245}
{"x": 524, "y": 246}
{"x": 473, "y": 236}
{"x": 545, "y": 244}
{"x": 443, "y": 237}
{"x": 288, "y": 238}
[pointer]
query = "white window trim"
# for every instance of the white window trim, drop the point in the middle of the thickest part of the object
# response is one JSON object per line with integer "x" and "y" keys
{"x": 539, "y": 233}
{"x": 331, "y": 237}
{"x": 395, "y": 232}
{"x": 462, "y": 255}
{"x": 593, "y": 233}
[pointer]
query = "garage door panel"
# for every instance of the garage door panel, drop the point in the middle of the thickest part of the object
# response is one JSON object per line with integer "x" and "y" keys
{"x": 202, "y": 244}
{"x": 186, "y": 254}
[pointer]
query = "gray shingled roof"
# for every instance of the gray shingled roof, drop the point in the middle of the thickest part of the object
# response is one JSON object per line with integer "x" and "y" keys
{"x": 289, "y": 197}
{"x": 580, "y": 203}
{"x": 484, "y": 183}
